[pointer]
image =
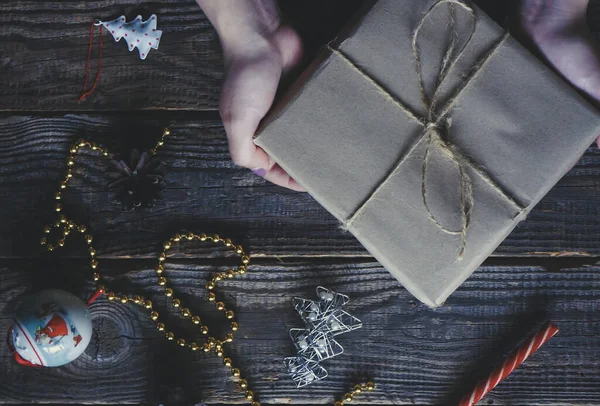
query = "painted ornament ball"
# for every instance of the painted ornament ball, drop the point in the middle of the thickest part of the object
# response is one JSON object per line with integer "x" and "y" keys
{"x": 51, "y": 328}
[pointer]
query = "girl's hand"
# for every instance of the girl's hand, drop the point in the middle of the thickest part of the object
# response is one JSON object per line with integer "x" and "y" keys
{"x": 558, "y": 28}
{"x": 258, "y": 50}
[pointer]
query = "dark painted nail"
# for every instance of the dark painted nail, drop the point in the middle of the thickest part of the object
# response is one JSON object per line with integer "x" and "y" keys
{"x": 260, "y": 172}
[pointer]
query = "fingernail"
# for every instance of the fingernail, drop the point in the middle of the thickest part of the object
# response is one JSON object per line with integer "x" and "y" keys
{"x": 260, "y": 172}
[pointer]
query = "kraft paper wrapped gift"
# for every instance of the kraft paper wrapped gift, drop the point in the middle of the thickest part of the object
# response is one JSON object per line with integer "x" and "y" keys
{"x": 429, "y": 133}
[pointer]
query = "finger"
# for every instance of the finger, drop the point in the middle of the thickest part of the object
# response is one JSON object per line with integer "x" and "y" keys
{"x": 559, "y": 31}
{"x": 261, "y": 164}
{"x": 289, "y": 44}
{"x": 247, "y": 95}
{"x": 580, "y": 64}
{"x": 278, "y": 176}
{"x": 264, "y": 166}
{"x": 240, "y": 132}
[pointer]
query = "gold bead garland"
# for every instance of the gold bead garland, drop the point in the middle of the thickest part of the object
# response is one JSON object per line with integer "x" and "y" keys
{"x": 358, "y": 389}
{"x": 161, "y": 141}
{"x": 65, "y": 227}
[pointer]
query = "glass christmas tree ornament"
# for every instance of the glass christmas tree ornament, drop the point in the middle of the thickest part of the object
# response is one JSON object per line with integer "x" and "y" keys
{"x": 139, "y": 34}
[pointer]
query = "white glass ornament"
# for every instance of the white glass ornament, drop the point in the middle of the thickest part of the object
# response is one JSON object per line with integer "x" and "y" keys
{"x": 139, "y": 34}
{"x": 52, "y": 328}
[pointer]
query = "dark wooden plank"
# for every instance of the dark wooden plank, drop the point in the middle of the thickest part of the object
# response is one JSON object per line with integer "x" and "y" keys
{"x": 108, "y": 361}
{"x": 416, "y": 355}
{"x": 45, "y": 45}
{"x": 207, "y": 192}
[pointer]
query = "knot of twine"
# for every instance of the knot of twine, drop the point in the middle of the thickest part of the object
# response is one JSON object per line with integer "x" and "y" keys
{"x": 436, "y": 123}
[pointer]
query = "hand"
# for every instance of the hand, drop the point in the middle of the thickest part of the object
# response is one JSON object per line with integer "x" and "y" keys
{"x": 258, "y": 50}
{"x": 558, "y": 29}
{"x": 252, "y": 77}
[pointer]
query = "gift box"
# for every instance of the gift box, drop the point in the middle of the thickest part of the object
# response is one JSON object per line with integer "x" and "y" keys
{"x": 429, "y": 132}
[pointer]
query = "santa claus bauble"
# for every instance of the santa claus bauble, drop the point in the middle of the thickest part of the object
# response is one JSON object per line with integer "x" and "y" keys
{"x": 52, "y": 328}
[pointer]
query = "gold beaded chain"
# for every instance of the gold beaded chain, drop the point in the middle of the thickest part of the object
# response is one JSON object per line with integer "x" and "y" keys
{"x": 65, "y": 227}
{"x": 358, "y": 389}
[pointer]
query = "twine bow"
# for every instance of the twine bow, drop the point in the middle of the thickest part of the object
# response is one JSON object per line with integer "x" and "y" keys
{"x": 436, "y": 124}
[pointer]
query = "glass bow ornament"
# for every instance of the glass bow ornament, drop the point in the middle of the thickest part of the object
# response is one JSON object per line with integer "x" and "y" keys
{"x": 324, "y": 319}
{"x": 51, "y": 328}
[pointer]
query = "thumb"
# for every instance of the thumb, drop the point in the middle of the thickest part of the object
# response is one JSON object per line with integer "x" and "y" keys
{"x": 245, "y": 153}
{"x": 240, "y": 131}
{"x": 559, "y": 32}
{"x": 247, "y": 95}
{"x": 580, "y": 64}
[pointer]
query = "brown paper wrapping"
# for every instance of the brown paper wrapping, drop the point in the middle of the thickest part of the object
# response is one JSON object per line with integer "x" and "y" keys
{"x": 347, "y": 141}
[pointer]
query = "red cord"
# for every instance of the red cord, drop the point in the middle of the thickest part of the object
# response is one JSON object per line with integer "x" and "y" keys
{"x": 95, "y": 296}
{"x": 87, "y": 65}
{"x": 22, "y": 361}
{"x": 16, "y": 356}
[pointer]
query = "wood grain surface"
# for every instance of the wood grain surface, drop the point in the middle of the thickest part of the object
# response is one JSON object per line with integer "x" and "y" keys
{"x": 546, "y": 269}
{"x": 415, "y": 354}
{"x": 44, "y": 47}
{"x": 205, "y": 191}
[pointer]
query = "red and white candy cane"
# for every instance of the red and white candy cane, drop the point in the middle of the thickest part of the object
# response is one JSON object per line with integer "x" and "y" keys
{"x": 510, "y": 364}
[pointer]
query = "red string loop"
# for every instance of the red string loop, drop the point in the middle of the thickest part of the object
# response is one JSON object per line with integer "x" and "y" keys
{"x": 87, "y": 65}
{"x": 95, "y": 296}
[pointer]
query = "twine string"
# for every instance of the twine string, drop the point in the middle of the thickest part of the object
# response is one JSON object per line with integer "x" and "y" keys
{"x": 436, "y": 125}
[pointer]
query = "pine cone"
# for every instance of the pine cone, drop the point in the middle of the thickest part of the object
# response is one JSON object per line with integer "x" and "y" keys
{"x": 138, "y": 184}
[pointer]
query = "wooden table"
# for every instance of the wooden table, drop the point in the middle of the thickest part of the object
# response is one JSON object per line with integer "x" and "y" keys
{"x": 546, "y": 269}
